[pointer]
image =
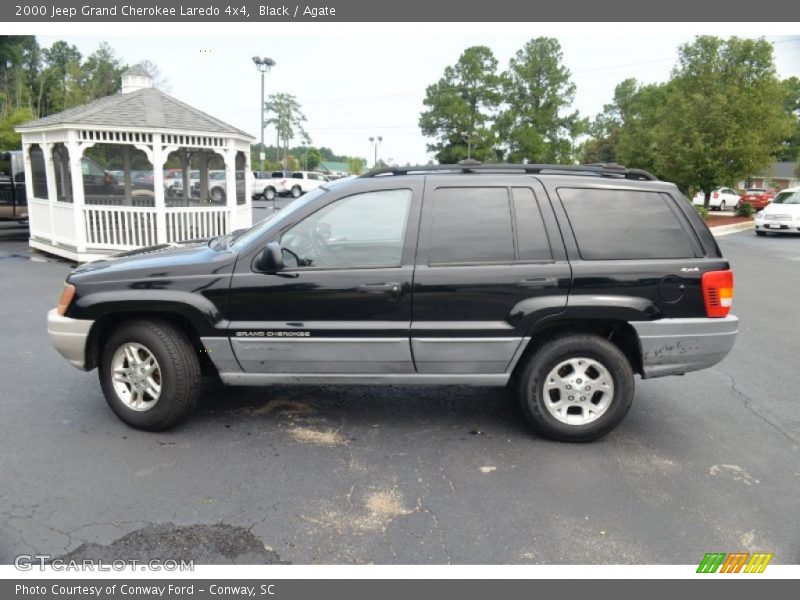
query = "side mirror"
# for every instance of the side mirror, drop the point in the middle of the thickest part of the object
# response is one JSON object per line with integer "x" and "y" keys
{"x": 271, "y": 258}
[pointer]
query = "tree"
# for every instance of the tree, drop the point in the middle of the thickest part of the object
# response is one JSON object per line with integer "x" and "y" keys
{"x": 160, "y": 82}
{"x": 313, "y": 159}
{"x": 61, "y": 59}
{"x": 100, "y": 75}
{"x": 537, "y": 125}
{"x": 10, "y": 139}
{"x": 462, "y": 106}
{"x": 790, "y": 149}
{"x": 722, "y": 118}
{"x": 356, "y": 165}
{"x": 288, "y": 120}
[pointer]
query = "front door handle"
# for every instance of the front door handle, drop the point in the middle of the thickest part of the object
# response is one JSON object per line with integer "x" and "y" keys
{"x": 538, "y": 282}
{"x": 391, "y": 287}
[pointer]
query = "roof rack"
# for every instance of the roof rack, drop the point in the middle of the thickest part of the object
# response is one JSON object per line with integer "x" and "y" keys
{"x": 611, "y": 170}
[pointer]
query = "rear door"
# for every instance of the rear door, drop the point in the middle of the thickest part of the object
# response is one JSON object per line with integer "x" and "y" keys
{"x": 490, "y": 263}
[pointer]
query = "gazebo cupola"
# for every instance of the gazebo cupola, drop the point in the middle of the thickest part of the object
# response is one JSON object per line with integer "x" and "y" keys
{"x": 131, "y": 170}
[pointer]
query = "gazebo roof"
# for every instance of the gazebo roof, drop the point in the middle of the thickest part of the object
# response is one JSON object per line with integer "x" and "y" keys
{"x": 146, "y": 108}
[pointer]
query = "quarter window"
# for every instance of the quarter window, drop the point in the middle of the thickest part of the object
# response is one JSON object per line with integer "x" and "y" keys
{"x": 359, "y": 231}
{"x": 625, "y": 224}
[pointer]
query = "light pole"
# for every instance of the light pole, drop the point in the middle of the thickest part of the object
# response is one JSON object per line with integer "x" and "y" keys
{"x": 263, "y": 64}
{"x": 375, "y": 141}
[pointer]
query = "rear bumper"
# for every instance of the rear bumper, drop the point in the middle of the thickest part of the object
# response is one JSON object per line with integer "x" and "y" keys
{"x": 69, "y": 337}
{"x": 678, "y": 346}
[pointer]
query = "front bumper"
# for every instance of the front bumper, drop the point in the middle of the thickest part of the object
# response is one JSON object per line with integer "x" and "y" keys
{"x": 69, "y": 337}
{"x": 678, "y": 346}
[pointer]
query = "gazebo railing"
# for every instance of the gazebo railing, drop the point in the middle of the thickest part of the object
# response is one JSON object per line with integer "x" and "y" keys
{"x": 117, "y": 228}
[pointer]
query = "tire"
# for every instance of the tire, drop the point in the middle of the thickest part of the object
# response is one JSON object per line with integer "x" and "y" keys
{"x": 608, "y": 365}
{"x": 296, "y": 192}
{"x": 178, "y": 369}
{"x": 218, "y": 194}
{"x": 760, "y": 233}
{"x": 269, "y": 194}
{"x": 722, "y": 205}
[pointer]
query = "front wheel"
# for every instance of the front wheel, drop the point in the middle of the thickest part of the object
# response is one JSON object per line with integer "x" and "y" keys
{"x": 760, "y": 233}
{"x": 296, "y": 191}
{"x": 576, "y": 388}
{"x": 269, "y": 194}
{"x": 150, "y": 374}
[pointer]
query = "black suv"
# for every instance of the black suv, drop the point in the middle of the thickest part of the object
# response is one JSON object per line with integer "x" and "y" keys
{"x": 563, "y": 281}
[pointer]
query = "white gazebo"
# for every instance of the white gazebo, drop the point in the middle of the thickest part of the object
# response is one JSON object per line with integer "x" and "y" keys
{"x": 132, "y": 170}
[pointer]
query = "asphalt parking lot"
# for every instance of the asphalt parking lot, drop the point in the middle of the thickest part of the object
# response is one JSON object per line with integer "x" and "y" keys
{"x": 705, "y": 462}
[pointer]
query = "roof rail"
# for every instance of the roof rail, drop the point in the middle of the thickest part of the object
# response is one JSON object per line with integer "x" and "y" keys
{"x": 473, "y": 166}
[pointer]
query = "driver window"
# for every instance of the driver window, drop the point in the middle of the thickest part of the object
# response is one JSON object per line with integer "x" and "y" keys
{"x": 359, "y": 231}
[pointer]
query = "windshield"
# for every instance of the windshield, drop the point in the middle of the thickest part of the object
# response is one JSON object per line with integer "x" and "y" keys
{"x": 754, "y": 192}
{"x": 276, "y": 217}
{"x": 787, "y": 198}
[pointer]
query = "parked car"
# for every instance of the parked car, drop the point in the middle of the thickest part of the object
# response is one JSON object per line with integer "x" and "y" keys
{"x": 13, "y": 199}
{"x": 217, "y": 185}
{"x": 269, "y": 184}
{"x": 721, "y": 198}
{"x": 478, "y": 275}
{"x": 302, "y": 182}
{"x": 758, "y": 198}
{"x": 782, "y": 215}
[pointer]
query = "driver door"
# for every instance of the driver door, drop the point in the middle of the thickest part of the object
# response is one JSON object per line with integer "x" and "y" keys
{"x": 342, "y": 303}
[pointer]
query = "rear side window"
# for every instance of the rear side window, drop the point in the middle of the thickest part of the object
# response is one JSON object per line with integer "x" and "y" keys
{"x": 624, "y": 224}
{"x": 471, "y": 225}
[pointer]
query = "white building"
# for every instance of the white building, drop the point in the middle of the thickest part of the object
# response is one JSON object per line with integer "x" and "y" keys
{"x": 131, "y": 170}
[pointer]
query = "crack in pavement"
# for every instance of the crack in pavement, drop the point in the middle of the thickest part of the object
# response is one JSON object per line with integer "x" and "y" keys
{"x": 748, "y": 402}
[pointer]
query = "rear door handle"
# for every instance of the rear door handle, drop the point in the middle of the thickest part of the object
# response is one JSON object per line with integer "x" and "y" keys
{"x": 392, "y": 287}
{"x": 538, "y": 282}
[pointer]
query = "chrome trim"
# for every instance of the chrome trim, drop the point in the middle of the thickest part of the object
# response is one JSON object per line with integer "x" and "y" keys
{"x": 256, "y": 379}
{"x": 678, "y": 346}
{"x": 69, "y": 337}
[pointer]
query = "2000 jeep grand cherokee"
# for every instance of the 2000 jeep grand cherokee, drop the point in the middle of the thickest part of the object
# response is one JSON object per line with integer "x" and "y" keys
{"x": 563, "y": 280}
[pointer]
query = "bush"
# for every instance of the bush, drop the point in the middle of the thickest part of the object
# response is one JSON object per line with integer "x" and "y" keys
{"x": 702, "y": 211}
{"x": 744, "y": 209}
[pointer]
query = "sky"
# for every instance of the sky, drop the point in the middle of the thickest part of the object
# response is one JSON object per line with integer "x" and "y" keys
{"x": 359, "y": 81}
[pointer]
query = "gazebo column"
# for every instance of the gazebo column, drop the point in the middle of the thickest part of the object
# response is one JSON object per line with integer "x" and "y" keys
{"x": 76, "y": 172}
{"x": 230, "y": 185}
{"x": 159, "y": 156}
{"x": 52, "y": 188}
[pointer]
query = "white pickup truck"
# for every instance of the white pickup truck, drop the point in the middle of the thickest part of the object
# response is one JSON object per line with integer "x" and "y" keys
{"x": 268, "y": 184}
{"x": 286, "y": 183}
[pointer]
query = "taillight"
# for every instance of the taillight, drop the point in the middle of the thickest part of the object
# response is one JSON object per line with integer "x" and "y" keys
{"x": 66, "y": 299}
{"x": 716, "y": 195}
{"x": 718, "y": 292}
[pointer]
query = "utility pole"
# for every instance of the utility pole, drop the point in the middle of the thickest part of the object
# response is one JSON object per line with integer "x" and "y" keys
{"x": 375, "y": 141}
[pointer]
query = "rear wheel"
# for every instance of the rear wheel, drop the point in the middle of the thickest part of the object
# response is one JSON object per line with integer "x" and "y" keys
{"x": 576, "y": 388}
{"x": 218, "y": 194}
{"x": 269, "y": 193}
{"x": 150, "y": 374}
{"x": 296, "y": 191}
{"x": 722, "y": 205}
